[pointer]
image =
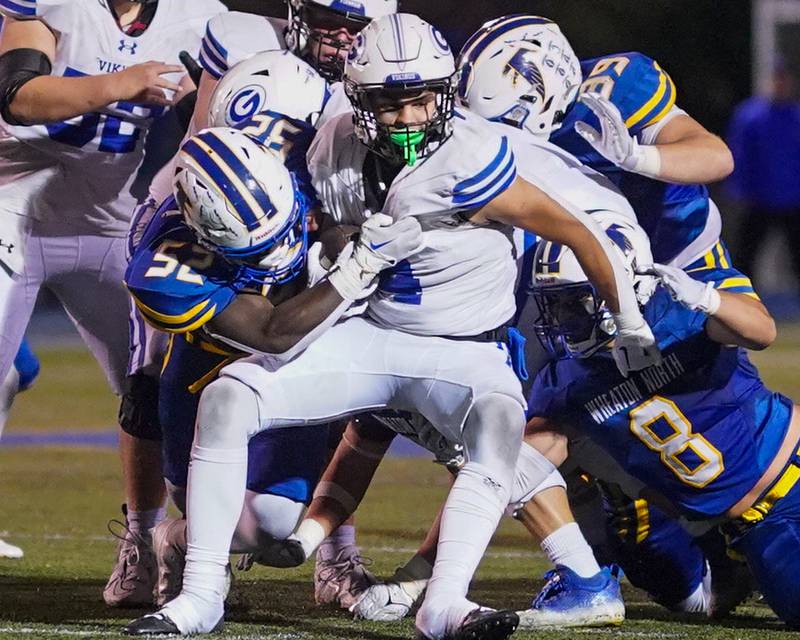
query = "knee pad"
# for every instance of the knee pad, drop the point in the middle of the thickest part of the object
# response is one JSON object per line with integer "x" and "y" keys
{"x": 493, "y": 431}
{"x": 227, "y": 415}
{"x": 265, "y": 518}
{"x": 138, "y": 410}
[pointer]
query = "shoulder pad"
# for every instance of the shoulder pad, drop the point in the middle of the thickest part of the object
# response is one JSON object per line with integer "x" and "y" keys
{"x": 177, "y": 285}
{"x": 641, "y": 90}
{"x": 235, "y": 36}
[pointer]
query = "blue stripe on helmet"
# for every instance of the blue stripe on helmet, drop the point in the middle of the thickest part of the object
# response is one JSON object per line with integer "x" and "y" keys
{"x": 245, "y": 176}
{"x": 484, "y": 37}
{"x": 216, "y": 43}
{"x": 222, "y": 182}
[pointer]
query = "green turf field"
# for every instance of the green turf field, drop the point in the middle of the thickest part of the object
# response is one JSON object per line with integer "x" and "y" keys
{"x": 56, "y": 502}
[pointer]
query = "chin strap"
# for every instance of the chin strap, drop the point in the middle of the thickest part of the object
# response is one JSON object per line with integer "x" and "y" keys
{"x": 408, "y": 141}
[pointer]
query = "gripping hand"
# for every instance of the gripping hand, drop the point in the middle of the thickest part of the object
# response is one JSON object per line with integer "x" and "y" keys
{"x": 692, "y": 294}
{"x": 382, "y": 243}
{"x": 634, "y": 347}
{"x": 614, "y": 141}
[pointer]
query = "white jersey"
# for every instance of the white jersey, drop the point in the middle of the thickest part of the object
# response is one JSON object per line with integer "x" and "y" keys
{"x": 236, "y": 36}
{"x": 100, "y": 152}
{"x": 462, "y": 282}
{"x": 562, "y": 176}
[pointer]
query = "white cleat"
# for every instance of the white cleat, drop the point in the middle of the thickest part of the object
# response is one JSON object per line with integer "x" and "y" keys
{"x": 383, "y": 602}
{"x": 169, "y": 546}
{"x": 10, "y": 551}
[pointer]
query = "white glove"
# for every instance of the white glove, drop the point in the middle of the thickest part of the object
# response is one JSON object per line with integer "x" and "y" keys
{"x": 692, "y": 294}
{"x": 634, "y": 345}
{"x": 615, "y": 142}
{"x": 382, "y": 244}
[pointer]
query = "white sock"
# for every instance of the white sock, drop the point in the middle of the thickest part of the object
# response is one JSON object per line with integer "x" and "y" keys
{"x": 413, "y": 576}
{"x": 470, "y": 517}
{"x": 215, "y": 496}
{"x": 144, "y": 521}
{"x": 310, "y": 535}
{"x": 567, "y": 546}
{"x": 342, "y": 538}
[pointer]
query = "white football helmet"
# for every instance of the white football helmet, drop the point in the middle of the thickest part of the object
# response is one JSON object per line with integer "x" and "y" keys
{"x": 242, "y": 203}
{"x": 520, "y": 70}
{"x": 274, "y": 80}
{"x": 400, "y": 54}
{"x": 321, "y": 31}
{"x": 573, "y": 320}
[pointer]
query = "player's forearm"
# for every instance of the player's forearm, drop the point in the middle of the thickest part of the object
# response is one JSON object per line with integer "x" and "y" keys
{"x": 699, "y": 159}
{"x": 742, "y": 321}
{"x": 53, "y": 98}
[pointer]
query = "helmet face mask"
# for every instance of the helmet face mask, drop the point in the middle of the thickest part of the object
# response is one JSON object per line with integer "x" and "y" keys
{"x": 322, "y": 32}
{"x": 400, "y": 78}
{"x": 397, "y": 142}
{"x": 574, "y": 321}
{"x": 242, "y": 204}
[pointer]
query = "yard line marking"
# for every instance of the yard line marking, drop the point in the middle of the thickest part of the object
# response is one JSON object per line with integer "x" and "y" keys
{"x": 510, "y": 554}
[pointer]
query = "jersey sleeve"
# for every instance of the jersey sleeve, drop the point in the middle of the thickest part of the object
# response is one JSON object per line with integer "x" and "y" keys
{"x": 56, "y": 14}
{"x": 636, "y": 84}
{"x": 235, "y": 36}
{"x": 487, "y": 168}
{"x": 716, "y": 267}
{"x": 172, "y": 295}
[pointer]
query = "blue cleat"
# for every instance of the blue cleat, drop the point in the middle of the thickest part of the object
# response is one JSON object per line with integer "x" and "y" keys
{"x": 567, "y": 600}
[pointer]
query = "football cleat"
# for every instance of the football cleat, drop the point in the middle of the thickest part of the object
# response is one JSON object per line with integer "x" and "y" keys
{"x": 730, "y": 586}
{"x": 283, "y": 554}
{"x": 134, "y": 576}
{"x": 567, "y": 600}
{"x": 153, "y": 624}
{"x": 343, "y": 579}
{"x": 10, "y": 551}
{"x": 383, "y": 602}
{"x": 482, "y": 624}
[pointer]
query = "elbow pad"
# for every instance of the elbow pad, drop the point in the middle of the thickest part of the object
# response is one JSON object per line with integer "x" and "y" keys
{"x": 17, "y": 67}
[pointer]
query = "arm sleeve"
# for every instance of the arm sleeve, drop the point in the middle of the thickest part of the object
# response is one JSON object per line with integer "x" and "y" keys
{"x": 649, "y": 134}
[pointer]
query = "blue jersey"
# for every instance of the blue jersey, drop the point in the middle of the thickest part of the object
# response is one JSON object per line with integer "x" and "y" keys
{"x": 701, "y": 428}
{"x": 176, "y": 284}
{"x": 290, "y": 139}
{"x": 673, "y": 215}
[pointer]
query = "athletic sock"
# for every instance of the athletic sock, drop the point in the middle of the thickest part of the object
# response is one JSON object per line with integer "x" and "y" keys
{"x": 215, "y": 496}
{"x": 342, "y": 538}
{"x": 142, "y": 522}
{"x": 413, "y": 576}
{"x": 567, "y": 547}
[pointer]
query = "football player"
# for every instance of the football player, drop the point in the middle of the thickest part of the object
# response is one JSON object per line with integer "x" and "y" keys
{"x": 701, "y": 429}
{"x": 425, "y": 327}
{"x": 79, "y": 92}
{"x": 521, "y": 71}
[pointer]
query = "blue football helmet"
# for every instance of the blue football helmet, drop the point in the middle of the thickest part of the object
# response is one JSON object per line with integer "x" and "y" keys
{"x": 242, "y": 203}
{"x": 573, "y": 320}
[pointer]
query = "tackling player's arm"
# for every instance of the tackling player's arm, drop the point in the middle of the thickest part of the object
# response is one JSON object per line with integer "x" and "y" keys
{"x": 641, "y": 129}
{"x": 734, "y": 318}
{"x": 743, "y": 321}
{"x": 691, "y": 154}
{"x": 253, "y": 323}
{"x": 30, "y": 95}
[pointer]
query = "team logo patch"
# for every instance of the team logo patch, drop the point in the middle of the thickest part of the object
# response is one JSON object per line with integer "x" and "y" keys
{"x": 245, "y": 103}
{"x": 130, "y": 47}
{"x": 438, "y": 41}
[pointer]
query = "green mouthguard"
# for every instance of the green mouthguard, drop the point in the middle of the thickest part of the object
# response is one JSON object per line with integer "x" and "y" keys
{"x": 408, "y": 141}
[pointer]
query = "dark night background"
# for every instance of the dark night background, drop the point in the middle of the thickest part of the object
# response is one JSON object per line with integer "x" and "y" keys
{"x": 703, "y": 44}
